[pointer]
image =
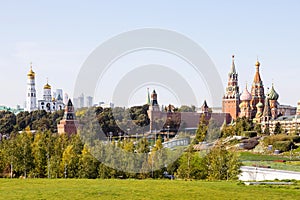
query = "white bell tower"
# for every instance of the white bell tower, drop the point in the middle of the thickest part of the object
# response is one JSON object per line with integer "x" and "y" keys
{"x": 31, "y": 92}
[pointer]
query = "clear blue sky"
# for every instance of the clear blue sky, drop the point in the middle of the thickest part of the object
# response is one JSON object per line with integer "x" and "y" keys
{"x": 57, "y": 36}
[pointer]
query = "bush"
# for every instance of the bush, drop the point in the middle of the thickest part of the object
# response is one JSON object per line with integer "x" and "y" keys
{"x": 249, "y": 134}
{"x": 283, "y": 145}
{"x": 296, "y": 139}
{"x": 270, "y": 140}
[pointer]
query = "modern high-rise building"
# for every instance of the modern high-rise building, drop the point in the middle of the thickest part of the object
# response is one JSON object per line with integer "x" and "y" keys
{"x": 89, "y": 101}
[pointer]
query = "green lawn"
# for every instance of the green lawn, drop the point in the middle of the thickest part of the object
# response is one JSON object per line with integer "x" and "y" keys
{"x": 289, "y": 165}
{"x": 139, "y": 189}
{"x": 248, "y": 156}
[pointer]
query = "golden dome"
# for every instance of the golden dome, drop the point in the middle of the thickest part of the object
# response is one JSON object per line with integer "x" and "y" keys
{"x": 257, "y": 64}
{"x": 47, "y": 86}
{"x": 31, "y": 73}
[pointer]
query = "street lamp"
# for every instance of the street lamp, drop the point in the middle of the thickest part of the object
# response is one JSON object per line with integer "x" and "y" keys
{"x": 110, "y": 136}
{"x": 120, "y": 136}
{"x": 155, "y": 136}
{"x": 168, "y": 132}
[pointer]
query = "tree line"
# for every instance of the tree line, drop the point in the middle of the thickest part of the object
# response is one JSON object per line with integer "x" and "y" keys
{"x": 45, "y": 153}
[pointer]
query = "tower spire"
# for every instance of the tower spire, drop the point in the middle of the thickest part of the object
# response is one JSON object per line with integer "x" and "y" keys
{"x": 148, "y": 97}
{"x": 233, "y": 71}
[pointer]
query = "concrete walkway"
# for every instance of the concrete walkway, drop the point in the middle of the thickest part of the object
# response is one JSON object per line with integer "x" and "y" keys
{"x": 261, "y": 174}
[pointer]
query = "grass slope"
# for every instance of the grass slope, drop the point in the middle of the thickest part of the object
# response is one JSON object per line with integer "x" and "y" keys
{"x": 139, "y": 189}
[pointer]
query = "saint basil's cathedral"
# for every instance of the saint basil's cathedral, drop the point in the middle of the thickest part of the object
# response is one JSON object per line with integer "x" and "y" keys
{"x": 253, "y": 105}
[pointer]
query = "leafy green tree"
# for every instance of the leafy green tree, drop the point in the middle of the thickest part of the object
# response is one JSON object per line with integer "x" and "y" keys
{"x": 88, "y": 165}
{"x": 221, "y": 164}
{"x": 278, "y": 129}
{"x": 26, "y": 164}
{"x": 7, "y": 122}
{"x": 185, "y": 108}
{"x": 39, "y": 150}
{"x": 201, "y": 131}
{"x": 243, "y": 124}
{"x": 70, "y": 162}
{"x": 191, "y": 166}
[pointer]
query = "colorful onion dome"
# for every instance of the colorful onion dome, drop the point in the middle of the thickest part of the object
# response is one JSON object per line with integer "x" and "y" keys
{"x": 273, "y": 95}
{"x": 246, "y": 96}
{"x": 259, "y": 105}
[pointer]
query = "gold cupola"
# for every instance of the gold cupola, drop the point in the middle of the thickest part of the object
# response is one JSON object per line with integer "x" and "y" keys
{"x": 31, "y": 73}
{"x": 47, "y": 86}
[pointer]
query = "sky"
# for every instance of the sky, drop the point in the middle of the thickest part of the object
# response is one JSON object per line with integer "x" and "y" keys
{"x": 58, "y": 36}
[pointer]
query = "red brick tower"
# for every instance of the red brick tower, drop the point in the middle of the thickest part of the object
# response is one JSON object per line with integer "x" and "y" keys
{"x": 257, "y": 91}
{"x": 231, "y": 99}
{"x": 68, "y": 124}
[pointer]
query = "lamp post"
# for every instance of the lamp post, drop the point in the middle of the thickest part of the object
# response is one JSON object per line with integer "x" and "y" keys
{"x": 155, "y": 136}
{"x": 168, "y": 132}
{"x": 128, "y": 130}
{"x": 120, "y": 136}
{"x": 110, "y": 136}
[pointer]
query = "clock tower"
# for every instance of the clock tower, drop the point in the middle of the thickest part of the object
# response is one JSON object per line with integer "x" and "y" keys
{"x": 231, "y": 98}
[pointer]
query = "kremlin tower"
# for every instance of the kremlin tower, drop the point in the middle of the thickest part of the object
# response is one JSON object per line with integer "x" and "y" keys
{"x": 31, "y": 92}
{"x": 231, "y": 99}
{"x": 68, "y": 125}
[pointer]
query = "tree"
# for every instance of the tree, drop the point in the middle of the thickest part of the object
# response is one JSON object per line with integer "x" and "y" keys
{"x": 278, "y": 129}
{"x": 191, "y": 166}
{"x": 222, "y": 164}
{"x": 39, "y": 150}
{"x": 201, "y": 131}
{"x": 243, "y": 124}
{"x": 7, "y": 122}
{"x": 185, "y": 108}
{"x": 87, "y": 164}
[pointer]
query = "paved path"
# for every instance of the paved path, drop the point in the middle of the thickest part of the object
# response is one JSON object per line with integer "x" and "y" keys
{"x": 261, "y": 174}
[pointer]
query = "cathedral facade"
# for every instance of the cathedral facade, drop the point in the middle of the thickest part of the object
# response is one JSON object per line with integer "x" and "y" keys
{"x": 49, "y": 103}
{"x": 254, "y": 105}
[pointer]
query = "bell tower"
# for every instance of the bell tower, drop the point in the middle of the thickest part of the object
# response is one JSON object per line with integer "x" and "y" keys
{"x": 231, "y": 98}
{"x": 31, "y": 92}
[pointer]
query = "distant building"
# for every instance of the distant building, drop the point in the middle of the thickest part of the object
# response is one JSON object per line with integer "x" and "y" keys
{"x": 31, "y": 92}
{"x": 106, "y": 105}
{"x": 170, "y": 120}
{"x": 16, "y": 110}
{"x": 48, "y": 103}
{"x": 81, "y": 101}
{"x": 68, "y": 125}
{"x": 66, "y": 98}
{"x": 89, "y": 101}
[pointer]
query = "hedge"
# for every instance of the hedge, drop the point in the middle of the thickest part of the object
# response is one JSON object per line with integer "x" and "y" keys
{"x": 249, "y": 134}
{"x": 283, "y": 145}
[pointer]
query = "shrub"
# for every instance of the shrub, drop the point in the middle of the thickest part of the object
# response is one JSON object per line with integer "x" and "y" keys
{"x": 249, "y": 134}
{"x": 270, "y": 140}
{"x": 283, "y": 145}
{"x": 296, "y": 139}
